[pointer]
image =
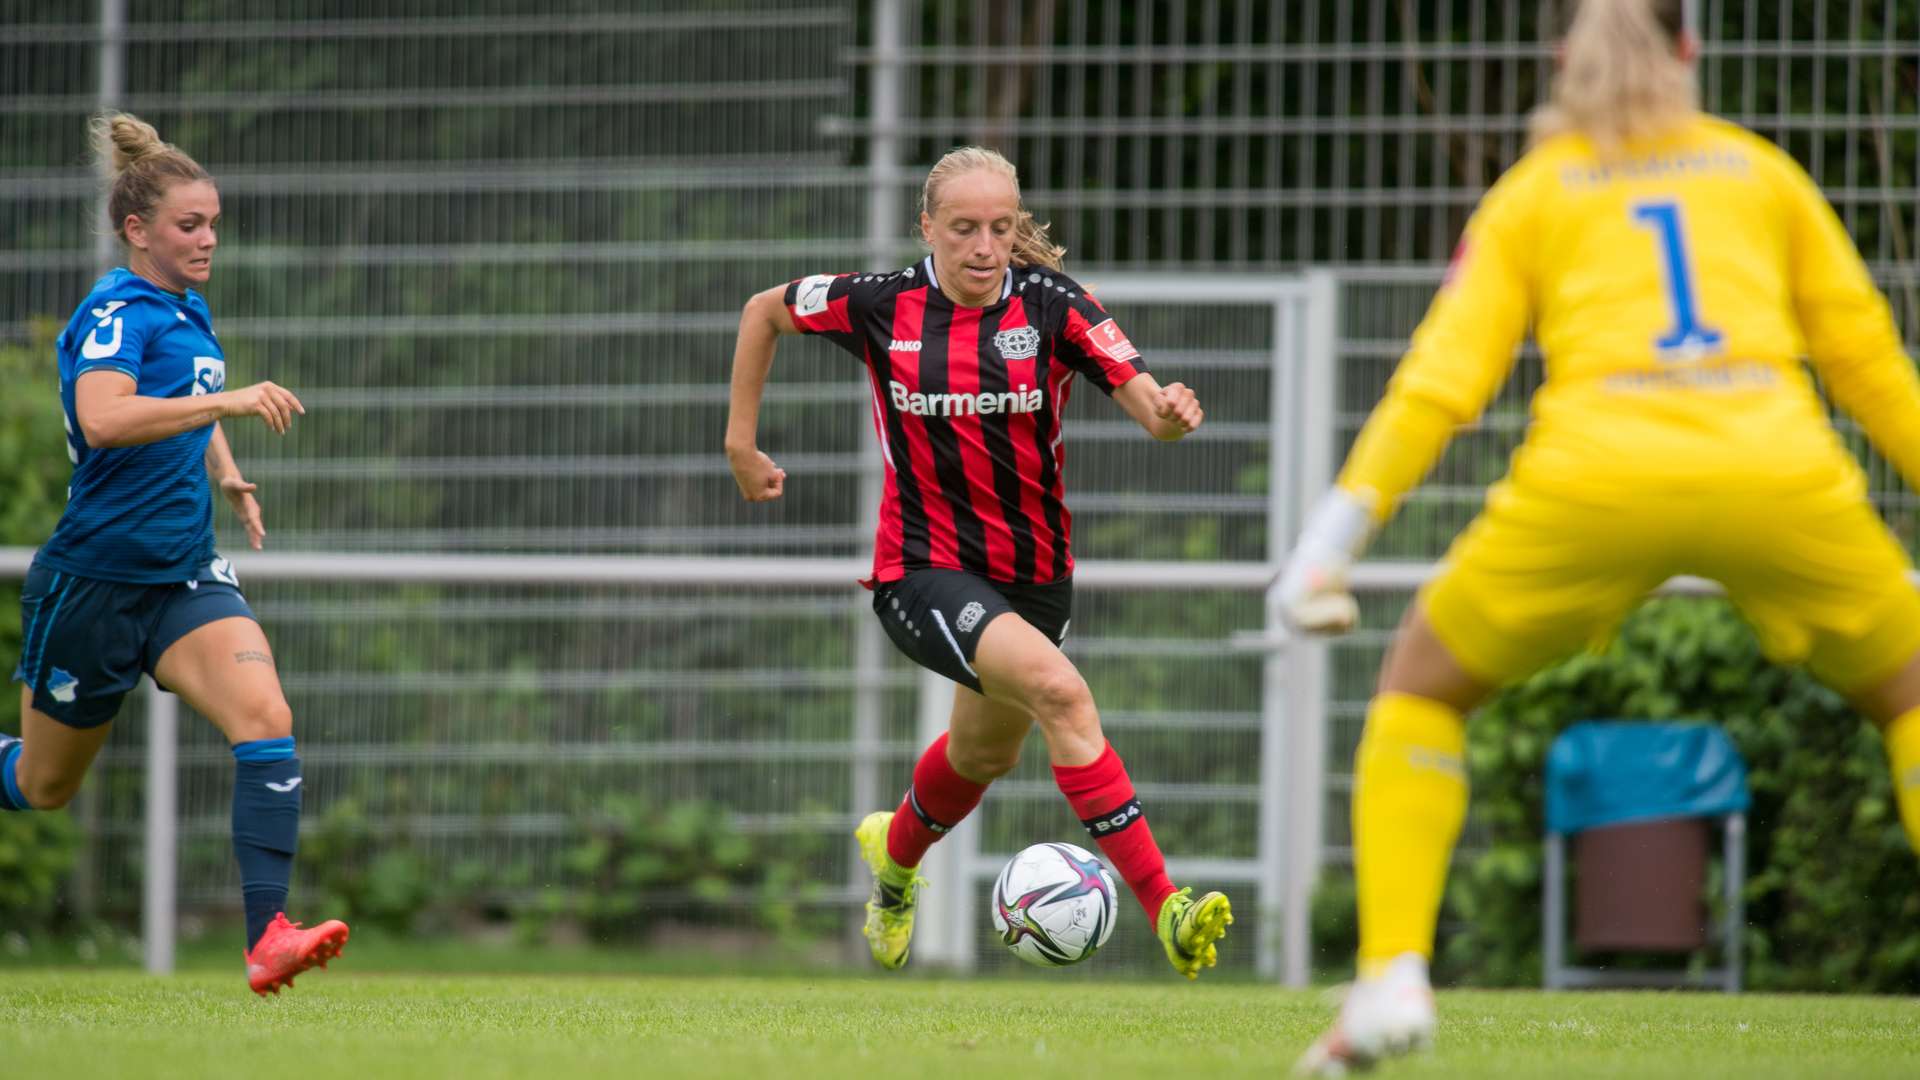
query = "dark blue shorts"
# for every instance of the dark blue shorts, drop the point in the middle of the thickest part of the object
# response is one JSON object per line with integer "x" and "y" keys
{"x": 936, "y": 616}
{"x": 86, "y": 641}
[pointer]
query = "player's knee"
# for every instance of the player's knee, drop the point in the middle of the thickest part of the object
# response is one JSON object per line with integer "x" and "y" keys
{"x": 49, "y": 792}
{"x": 983, "y": 764}
{"x": 1060, "y": 696}
{"x": 265, "y": 719}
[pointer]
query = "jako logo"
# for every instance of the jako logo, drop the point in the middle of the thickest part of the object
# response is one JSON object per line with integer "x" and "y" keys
{"x": 1022, "y": 400}
{"x": 898, "y": 345}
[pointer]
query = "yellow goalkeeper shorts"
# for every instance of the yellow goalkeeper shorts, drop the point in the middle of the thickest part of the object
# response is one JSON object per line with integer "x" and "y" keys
{"x": 1541, "y": 574}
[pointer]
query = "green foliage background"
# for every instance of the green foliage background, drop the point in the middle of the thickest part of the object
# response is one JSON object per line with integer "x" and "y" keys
{"x": 1833, "y": 890}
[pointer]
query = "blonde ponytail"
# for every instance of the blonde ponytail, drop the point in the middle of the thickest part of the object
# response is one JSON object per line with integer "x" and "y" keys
{"x": 139, "y": 166}
{"x": 1031, "y": 245}
{"x": 1621, "y": 77}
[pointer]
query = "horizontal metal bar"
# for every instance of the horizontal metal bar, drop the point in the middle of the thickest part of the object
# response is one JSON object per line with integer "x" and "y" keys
{"x": 570, "y": 607}
{"x": 446, "y": 256}
{"x": 524, "y": 466}
{"x": 478, "y": 25}
{"x": 396, "y": 755}
{"x": 627, "y": 541}
{"x": 1149, "y": 792}
{"x": 1346, "y": 126}
{"x": 390, "y": 683}
{"x": 1330, "y": 52}
{"x": 446, "y": 326}
{"x": 742, "y": 172}
{"x": 530, "y": 570}
{"x": 986, "y": 867}
{"x": 1327, "y": 52}
{"x": 504, "y": 97}
{"x": 416, "y": 398}
{"x": 1207, "y": 289}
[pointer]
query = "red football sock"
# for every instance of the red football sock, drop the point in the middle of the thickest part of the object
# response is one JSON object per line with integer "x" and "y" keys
{"x": 1102, "y": 797}
{"x": 938, "y": 800}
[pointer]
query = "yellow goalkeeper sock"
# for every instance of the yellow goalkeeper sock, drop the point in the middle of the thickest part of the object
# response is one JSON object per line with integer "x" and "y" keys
{"x": 1409, "y": 799}
{"x": 1903, "y": 753}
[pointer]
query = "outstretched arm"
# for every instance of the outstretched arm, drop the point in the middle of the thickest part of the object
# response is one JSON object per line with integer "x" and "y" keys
{"x": 1167, "y": 412}
{"x": 762, "y": 322}
{"x": 1457, "y": 360}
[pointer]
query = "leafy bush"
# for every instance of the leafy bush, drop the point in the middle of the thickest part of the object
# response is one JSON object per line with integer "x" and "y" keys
{"x": 1833, "y": 891}
{"x": 36, "y": 852}
{"x": 367, "y": 875}
{"x": 634, "y": 853}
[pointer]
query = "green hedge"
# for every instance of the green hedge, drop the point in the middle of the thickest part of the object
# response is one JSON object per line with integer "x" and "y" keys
{"x": 1833, "y": 890}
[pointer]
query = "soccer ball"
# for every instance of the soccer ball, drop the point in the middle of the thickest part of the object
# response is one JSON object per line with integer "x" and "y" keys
{"x": 1054, "y": 905}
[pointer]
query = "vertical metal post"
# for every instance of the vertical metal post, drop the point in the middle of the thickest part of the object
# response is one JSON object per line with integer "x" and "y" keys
{"x": 113, "y": 87}
{"x": 162, "y": 829}
{"x": 885, "y": 216}
{"x": 1734, "y": 868}
{"x": 943, "y": 936}
{"x": 1314, "y": 413}
{"x": 111, "y": 54}
{"x": 1553, "y": 914}
{"x": 1275, "y": 749}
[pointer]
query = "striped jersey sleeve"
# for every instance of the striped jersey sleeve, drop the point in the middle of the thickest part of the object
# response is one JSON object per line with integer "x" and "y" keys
{"x": 830, "y": 305}
{"x": 1091, "y": 343}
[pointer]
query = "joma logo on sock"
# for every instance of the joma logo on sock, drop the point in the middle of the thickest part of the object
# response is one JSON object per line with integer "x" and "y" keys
{"x": 284, "y": 788}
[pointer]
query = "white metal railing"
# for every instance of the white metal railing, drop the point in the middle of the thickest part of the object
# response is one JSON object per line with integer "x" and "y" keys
{"x": 1292, "y": 718}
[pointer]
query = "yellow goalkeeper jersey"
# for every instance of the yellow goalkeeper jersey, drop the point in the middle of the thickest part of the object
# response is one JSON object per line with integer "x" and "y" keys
{"x": 1673, "y": 290}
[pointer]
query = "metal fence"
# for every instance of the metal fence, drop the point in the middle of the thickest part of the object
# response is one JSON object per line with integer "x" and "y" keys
{"x": 499, "y": 249}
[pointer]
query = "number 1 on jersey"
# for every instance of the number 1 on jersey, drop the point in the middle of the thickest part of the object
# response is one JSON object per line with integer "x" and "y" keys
{"x": 1688, "y": 338}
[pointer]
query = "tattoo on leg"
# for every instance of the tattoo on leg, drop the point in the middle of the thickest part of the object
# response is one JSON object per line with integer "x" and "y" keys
{"x": 253, "y": 656}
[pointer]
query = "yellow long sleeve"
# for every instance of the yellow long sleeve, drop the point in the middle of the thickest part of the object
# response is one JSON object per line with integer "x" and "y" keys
{"x": 1851, "y": 337}
{"x": 1458, "y": 357}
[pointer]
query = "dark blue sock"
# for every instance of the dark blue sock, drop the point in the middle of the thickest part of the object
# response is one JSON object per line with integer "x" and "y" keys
{"x": 266, "y": 826}
{"x": 10, "y": 797}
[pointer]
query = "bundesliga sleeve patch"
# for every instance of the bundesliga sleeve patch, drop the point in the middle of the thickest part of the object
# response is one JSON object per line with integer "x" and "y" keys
{"x": 1112, "y": 342}
{"x": 811, "y": 297}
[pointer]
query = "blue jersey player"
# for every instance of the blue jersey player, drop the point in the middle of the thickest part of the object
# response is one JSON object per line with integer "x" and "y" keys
{"x": 129, "y": 582}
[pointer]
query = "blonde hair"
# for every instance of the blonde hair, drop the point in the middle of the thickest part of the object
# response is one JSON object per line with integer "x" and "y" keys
{"x": 139, "y": 166}
{"x": 1031, "y": 245}
{"x": 1622, "y": 77}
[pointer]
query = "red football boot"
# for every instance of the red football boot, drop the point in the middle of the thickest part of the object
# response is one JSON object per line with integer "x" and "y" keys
{"x": 286, "y": 950}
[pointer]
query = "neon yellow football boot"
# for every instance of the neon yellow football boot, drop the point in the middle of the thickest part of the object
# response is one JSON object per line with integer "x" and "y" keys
{"x": 1188, "y": 928}
{"x": 889, "y": 927}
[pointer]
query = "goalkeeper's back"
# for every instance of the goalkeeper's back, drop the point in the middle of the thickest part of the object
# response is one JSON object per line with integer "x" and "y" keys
{"x": 1672, "y": 283}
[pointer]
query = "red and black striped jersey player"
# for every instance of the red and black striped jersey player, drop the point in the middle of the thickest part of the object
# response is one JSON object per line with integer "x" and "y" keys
{"x": 970, "y": 356}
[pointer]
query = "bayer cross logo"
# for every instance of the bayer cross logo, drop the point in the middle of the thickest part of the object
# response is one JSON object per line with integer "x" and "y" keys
{"x": 1018, "y": 343}
{"x": 970, "y": 616}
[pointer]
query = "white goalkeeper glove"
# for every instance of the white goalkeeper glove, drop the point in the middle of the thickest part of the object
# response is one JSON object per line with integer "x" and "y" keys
{"x": 1314, "y": 597}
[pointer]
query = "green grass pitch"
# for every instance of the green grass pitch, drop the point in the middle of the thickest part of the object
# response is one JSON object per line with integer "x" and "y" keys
{"x": 69, "y": 1024}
